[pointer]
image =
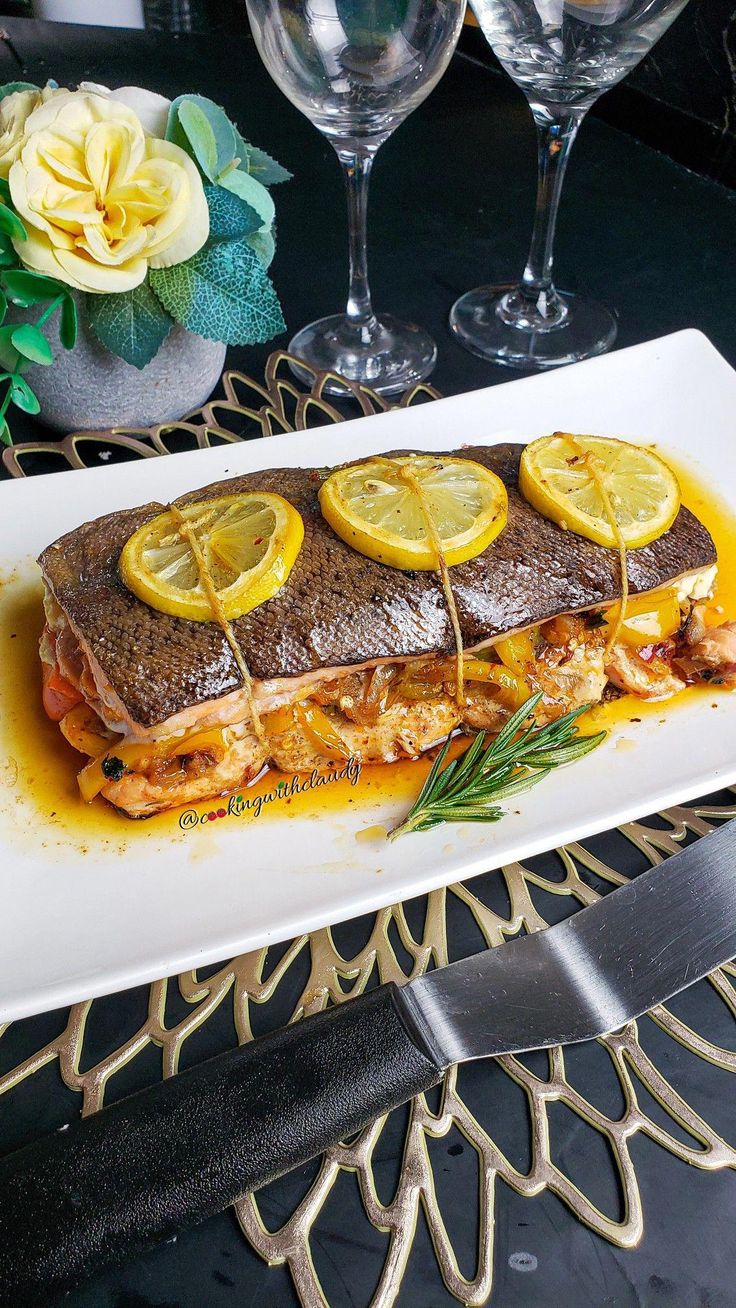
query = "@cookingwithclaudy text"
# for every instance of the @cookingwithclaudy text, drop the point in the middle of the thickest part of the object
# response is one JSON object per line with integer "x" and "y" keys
{"x": 241, "y": 805}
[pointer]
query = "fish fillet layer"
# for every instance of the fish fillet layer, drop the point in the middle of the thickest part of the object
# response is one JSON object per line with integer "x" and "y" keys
{"x": 337, "y": 609}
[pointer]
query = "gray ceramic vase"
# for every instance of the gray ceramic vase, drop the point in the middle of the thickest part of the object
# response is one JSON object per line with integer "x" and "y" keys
{"x": 89, "y": 389}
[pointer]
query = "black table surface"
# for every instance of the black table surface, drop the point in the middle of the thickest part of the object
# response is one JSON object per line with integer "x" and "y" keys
{"x": 451, "y": 207}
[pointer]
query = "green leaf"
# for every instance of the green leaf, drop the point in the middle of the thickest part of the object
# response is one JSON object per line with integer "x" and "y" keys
{"x": 132, "y": 324}
{"x": 11, "y": 224}
{"x": 68, "y": 323}
{"x": 265, "y": 169}
{"x": 5, "y": 190}
{"x": 11, "y": 87}
{"x": 9, "y": 357}
{"x": 22, "y": 396}
{"x": 264, "y": 244}
{"x": 200, "y": 137}
{"x": 242, "y": 150}
{"x": 250, "y": 189}
{"x": 27, "y": 288}
{"x": 3, "y": 307}
{"x": 259, "y": 164}
{"x": 223, "y": 293}
{"x": 30, "y": 341}
{"x": 8, "y": 255}
{"x": 230, "y": 217}
{"x": 204, "y": 130}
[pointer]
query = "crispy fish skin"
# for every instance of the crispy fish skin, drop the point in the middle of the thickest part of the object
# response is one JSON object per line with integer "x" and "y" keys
{"x": 338, "y": 608}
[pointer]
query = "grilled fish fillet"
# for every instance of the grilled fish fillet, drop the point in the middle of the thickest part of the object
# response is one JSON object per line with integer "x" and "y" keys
{"x": 338, "y": 608}
{"x": 150, "y": 676}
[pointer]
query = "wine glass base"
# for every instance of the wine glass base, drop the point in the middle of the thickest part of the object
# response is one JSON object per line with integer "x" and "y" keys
{"x": 478, "y": 321}
{"x": 392, "y": 358}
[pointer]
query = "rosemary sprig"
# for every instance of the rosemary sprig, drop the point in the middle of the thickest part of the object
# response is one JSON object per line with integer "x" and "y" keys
{"x": 521, "y": 755}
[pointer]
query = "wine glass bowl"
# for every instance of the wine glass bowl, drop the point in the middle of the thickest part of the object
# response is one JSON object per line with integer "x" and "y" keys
{"x": 563, "y": 54}
{"x": 356, "y": 69}
{"x": 568, "y": 52}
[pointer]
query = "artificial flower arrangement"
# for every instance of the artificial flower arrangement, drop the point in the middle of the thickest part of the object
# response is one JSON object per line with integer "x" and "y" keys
{"x": 141, "y": 211}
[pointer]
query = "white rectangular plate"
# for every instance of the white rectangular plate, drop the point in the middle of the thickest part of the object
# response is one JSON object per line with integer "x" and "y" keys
{"x": 76, "y": 925}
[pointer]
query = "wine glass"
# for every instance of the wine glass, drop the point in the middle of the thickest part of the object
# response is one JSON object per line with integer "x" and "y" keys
{"x": 563, "y": 54}
{"x": 356, "y": 69}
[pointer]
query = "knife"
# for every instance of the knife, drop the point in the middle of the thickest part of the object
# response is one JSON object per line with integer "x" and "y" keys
{"x": 116, "y": 1183}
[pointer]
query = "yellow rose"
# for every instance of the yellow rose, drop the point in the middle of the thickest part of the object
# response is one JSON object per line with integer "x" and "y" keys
{"x": 101, "y": 201}
{"x": 14, "y": 113}
{"x": 14, "y": 110}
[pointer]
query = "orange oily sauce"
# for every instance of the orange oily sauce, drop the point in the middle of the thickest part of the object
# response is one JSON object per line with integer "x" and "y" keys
{"x": 38, "y": 768}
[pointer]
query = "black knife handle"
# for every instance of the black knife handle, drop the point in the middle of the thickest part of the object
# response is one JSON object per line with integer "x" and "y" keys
{"x": 118, "y": 1182}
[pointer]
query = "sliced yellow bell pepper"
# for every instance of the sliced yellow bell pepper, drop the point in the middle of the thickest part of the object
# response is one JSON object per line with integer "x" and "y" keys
{"x": 279, "y": 720}
{"x": 649, "y": 618}
{"x": 516, "y": 652}
{"x": 124, "y": 757}
{"x": 514, "y": 690}
{"x": 85, "y": 731}
{"x": 320, "y": 731}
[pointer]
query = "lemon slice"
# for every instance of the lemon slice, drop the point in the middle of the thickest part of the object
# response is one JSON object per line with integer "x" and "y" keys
{"x": 561, "y": 476}
{"x": 381, "y": 508}
{"x": 249, "y": 544}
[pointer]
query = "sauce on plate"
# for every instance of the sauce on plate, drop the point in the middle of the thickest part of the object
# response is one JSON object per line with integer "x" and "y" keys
{"x": 38, "y": 767}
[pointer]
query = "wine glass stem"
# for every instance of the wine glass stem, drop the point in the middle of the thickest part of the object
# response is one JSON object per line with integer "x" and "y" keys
{"x": 556, "y": 131}
{"x": 356, "y": 167}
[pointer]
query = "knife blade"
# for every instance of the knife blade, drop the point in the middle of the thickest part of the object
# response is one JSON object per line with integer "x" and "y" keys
{"x": 118, "y": 1182}
{"x": 608, "y": 963}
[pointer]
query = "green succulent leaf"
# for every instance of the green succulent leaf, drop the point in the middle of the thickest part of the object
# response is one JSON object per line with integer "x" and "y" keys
{"x": 8, "y": 256}
{"x": 203, "y": 129}
{"x": 26, "y": 288}
{"x": 132, "y": 324}
{"x": 265, "y": 169}
{"x": 11, "y": 87}
{"x": 9, "y": 356}
{"x": 5, "y": 190}
{"x": 230, "y": 217}
{"x": 3, "y": 307}
{"x": 30, "y": 341}
{"x": 23, "y": 396}
{"x": 253, "y": 192}
{"x": 11, "y": 224}
{"x": 222, "y": 293}
{"x": 68, "y": 324}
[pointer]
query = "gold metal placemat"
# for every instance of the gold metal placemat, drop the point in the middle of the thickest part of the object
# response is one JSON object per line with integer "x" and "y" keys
{"x": 179, "y": 1009}
{"x": 249, "y": 410}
